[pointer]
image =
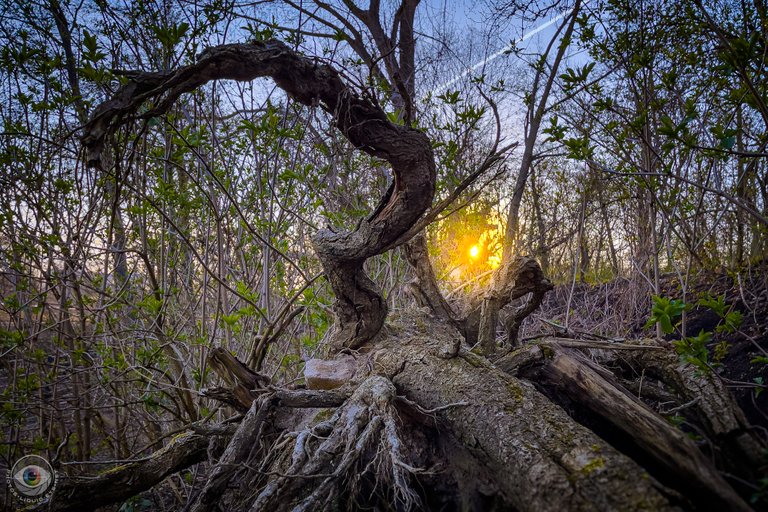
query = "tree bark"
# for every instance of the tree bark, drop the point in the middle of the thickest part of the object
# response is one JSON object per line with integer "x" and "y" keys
{"x": 538, "y": 457}
{"x": 711, "y": 406}
{"x": 359, "y": 306}
{"x": 425, "y": 286}
{"x": 423, "y": 430}
{"x": 513, "y": 279}
{"x": 79, "y": 494}
{"x": 574, "y": 375}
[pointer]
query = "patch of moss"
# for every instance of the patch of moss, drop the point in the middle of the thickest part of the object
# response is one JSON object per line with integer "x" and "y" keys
{"x": 474, "y": 359}
{"x": 547, "y": 351}
{"x": 113, "y": 470}
{"x": 593, "y": 465}
{"x": 322, "y": 415}
{"x": 516, "y": 391}
{"x": 565, "y": 433}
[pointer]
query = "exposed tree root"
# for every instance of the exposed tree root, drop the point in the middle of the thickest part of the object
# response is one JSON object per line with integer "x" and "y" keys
{"x": 425, "y": 431}
{"x": 331, "y": 460}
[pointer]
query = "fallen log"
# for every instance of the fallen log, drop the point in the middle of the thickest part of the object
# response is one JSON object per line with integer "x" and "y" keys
{"x": 421, "y": 423}
{"x": 81, "y": 493}
{"x": 711, "y": 407}
{"x": 539, "y": 458}
{"x": 571, "y": 373}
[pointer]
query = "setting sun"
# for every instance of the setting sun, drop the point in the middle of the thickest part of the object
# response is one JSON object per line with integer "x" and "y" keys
{"x": 474, "y": 251}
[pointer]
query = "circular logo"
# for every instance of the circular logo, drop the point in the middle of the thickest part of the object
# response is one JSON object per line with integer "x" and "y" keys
{"x": 31, "y": 479}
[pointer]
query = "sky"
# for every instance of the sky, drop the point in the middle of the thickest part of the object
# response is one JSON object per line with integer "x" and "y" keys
{"x": 543, "y": 28}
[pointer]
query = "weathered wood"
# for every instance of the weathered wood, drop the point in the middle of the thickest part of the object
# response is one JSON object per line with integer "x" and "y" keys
{"x": 308, "y": 398}
{"x": 80, "y": 494}
{"x": 240, "y": 402}
{"x": 295, "y": 398}
{"x": 540, "y": 458}
{"x": 359, "y": 307}
{"x": 234, "y": 371}
{"x": 519, "y": 359}
{"x": 714, "y": 409}
{"x": 243, "y": 380}
{"x": 533, "y": 455}
{"x": 424, "y": 287}
{"x": 511, "y": 281}
{"x": 575, "y": 376}
{"x": 238, "y": 450}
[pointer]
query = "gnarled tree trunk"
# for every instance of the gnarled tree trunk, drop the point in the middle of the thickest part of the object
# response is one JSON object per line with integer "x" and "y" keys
{"x": 359, "y": 307}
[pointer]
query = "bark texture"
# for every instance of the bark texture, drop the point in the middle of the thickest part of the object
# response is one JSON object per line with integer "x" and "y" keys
{"x": 242, "y": 380}
{"x": 79, "y": 494}
{"x": 540, "y": 458}
{"x": 359, "y": 306}
{"x": 243, "y": 442}
{"x": 710, "y": 405}
{"x": 512, "y": 280}
{"x": 416, "y": 428}
{"x": 424, "y": 287}
{"x": 570, "y": 373}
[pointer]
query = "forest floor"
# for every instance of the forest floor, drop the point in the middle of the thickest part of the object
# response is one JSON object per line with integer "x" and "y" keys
{"x": 620, "y": 308}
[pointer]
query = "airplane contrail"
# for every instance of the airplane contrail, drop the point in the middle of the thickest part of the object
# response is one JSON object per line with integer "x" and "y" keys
{"x": 501, "y": 52}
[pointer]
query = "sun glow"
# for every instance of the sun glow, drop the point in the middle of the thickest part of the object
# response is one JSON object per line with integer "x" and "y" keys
{"x": 467, "y": 248}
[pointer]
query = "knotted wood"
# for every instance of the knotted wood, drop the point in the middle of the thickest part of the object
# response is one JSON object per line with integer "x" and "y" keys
{"x": 359, "y": 307}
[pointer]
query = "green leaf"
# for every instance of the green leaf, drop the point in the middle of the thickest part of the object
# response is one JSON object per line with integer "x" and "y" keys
{"x": 232, "y": 319}
{"x": 732, "y": 323}
{"x": 449, "y": 97}
{"x": 665, "y": 312}
{"x": 258, "y": 34}
{"x": 693, "y": 350}
{"x": 89, "y": 41}
{"x": 91, "y": 52}
{"x": 759, "y": 381}
{"x": 170, "y": 36}
{"x": 716, "y": 304}
{"x": 666, "y": 324}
